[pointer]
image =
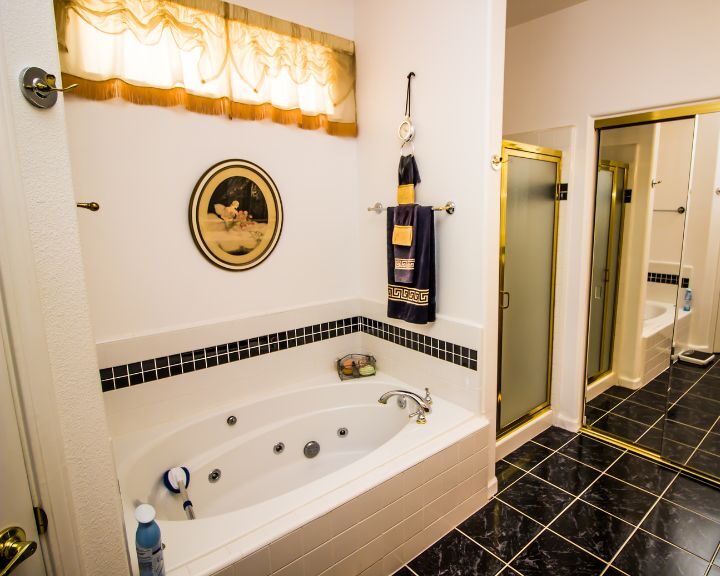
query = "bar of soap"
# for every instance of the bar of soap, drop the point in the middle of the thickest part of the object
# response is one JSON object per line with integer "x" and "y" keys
{"x": 367, "y": 370}
{"x": 347, "y": 370}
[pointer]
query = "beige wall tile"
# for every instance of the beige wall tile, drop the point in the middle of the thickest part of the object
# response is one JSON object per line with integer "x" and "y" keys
{"x": 257, "y": 563}
{"x": 286, "y": 549}
{"x": 296, "y": 568}
{"x": 376, "y": 569}
{"x": 319, "y": 559}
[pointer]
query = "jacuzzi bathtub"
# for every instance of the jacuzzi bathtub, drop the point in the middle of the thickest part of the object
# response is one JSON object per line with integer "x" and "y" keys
{"x": 657, "y": 336}
{"x": 262, "y": 495}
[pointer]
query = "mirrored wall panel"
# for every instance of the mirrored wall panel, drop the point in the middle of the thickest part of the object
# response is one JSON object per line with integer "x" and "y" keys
{"x": 653, "y": 313}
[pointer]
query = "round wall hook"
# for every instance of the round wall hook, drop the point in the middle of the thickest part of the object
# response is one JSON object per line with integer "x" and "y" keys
{"x": 39, "y": 87}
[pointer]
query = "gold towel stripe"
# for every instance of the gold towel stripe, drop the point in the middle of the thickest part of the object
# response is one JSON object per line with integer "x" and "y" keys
{"x": 413, "y": 296}
{"x": 406, "y": 194}
{"x": 402, "y": 235}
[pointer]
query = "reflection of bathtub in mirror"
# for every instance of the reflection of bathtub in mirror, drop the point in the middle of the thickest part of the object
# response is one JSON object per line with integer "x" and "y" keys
{"x": 657, "y": 336}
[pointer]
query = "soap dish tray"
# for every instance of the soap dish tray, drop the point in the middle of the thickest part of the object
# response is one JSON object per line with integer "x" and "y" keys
{"x": 349, "y": 366}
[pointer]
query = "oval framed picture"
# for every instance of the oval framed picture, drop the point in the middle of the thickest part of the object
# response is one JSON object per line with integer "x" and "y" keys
{"x": 236, "y": 214}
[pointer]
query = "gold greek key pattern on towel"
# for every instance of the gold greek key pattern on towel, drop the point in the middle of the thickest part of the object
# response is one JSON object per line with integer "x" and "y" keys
{"x": 404, "y": 263}
{"x": 408, "y": 295}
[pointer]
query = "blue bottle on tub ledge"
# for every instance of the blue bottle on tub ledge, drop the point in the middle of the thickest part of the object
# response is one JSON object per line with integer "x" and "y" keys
{"x": 688, "y": 300}
{"x": 148, "y": 542}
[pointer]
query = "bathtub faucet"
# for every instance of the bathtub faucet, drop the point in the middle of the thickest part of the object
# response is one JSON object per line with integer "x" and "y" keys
{"x": 403, "y": 396}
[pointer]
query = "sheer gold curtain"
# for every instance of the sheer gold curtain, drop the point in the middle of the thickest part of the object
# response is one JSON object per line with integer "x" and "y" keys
{"x": 210, "y": 57}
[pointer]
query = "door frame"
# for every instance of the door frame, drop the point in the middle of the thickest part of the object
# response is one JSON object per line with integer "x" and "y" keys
{"x": 531, "y": 151}
{"x": 611, "y": 166}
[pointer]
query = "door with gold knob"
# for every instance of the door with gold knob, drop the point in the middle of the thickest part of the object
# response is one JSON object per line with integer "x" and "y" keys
{"x": 18, "y": 534}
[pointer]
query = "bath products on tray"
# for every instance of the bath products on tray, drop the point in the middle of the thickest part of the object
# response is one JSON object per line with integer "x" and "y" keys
{"x": 355, "y": 366}
{"x": 148, "y": 542}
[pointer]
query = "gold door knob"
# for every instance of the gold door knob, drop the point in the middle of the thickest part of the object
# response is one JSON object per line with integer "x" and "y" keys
{"x": 14, "y": 549}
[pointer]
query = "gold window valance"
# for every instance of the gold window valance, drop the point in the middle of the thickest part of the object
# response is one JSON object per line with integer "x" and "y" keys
{"x": 210, "y": 57}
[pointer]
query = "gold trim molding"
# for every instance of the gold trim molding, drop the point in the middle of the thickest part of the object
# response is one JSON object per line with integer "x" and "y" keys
{"x": 675, "y": 113}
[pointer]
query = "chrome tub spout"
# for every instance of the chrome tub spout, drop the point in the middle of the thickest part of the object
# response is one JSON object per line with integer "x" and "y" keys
{"x": 422, "y": 406}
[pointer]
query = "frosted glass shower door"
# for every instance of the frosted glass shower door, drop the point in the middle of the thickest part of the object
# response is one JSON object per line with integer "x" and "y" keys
{"x": 528, "y": 225}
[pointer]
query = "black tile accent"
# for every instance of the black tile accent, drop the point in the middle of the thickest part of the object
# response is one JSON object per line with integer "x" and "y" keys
{"x": 233, "y": 351}
{"x": 592, "y": 529}
{"x": 685, "y": 282}
{"x": 646, "y": 555}
{"x": 627, "y": 196}
{"x": 662, "y": 278}
{"x": 500, "y": 529}
{"x": 550, "y": 554}
{"x": 457, "y": 555}
{"x": 122, "y": 382}
{"x": 136, "y": 379}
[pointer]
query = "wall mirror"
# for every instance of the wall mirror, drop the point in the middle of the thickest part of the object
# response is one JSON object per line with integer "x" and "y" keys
{"x": 652, "y": 379}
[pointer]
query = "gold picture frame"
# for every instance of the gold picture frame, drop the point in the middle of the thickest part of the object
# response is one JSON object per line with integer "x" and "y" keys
{"x": 236, "y": 214}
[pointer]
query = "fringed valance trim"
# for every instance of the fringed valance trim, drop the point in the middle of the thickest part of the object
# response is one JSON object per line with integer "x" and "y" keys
{"x": 117, "y": 88}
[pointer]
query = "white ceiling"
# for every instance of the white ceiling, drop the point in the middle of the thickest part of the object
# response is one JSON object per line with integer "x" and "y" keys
{"x": 521, "y": 11}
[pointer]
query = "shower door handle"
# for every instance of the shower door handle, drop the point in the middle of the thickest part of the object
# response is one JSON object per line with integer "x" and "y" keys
{"x": 504, "y": 305}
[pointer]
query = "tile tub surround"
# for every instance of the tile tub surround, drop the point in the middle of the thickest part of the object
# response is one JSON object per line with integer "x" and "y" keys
{"x": 624, "y": 515}
{"x": 688, "y": 433}
{"x": 380, "y": 530}
{"x": 142, "y": 371}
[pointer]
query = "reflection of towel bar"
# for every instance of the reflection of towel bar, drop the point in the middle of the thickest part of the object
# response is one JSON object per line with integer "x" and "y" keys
{"x": 449, "y": 207}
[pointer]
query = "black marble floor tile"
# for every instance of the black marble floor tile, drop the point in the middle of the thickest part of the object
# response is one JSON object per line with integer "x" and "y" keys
{"x": 592, "y": 529}
{"x": 500, "y": 529}
{"x": 637, "y": 412}
{"x": 550, "y": 554}
{"x": 700, "y": 403}
{"x": 655, "y": 440}
{"x": 455, "y": 555}
{"x": 612, "y": 571}
{"x": 528, "y": 455}
{"x": 691, "y": 368}
{"x": 591, "y": 452}
{"x": 509, "y": 572}
{"x": 645, "y": 555}
{"x": 699, "y": 497}
{"x": 554, "y": 437}
{"x": 642, "y": 473}
{"x": 593, "y": 415}
{"x": 566, "y": 473}
{"x": 682, "y": 373}
{"x": 621, "y": 427}
{"x": 506, "y": 474}
{"x": 691, "y": 417}
{"x": 404, "y": 571}
{"x": 678, "y": 432}
{"x": 604, "y": 402}
{"x": 711, "y": 444}
{"x": 647, "y": 398}
{"x": 619, "y": 499}
{"x": 657, "y": 387}
{"x": 536, "y": 498}
{"x": 683, "y": 528}
{"x": 706, "y": 462}
{"x": 618, "y": 391}
{"x": 707, "y": 388}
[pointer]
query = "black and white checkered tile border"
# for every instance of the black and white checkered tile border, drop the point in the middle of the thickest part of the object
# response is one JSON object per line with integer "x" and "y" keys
{"x": 662, "y": 278}
{"x": 165, "y": 366}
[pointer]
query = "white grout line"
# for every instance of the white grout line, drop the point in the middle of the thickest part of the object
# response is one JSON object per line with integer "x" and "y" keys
{"x": 457, "y": 529}
{"x": 575, "y": 499}
{"x": 411, "y": 570}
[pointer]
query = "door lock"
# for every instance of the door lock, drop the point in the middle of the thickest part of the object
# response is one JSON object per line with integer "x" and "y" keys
{"x": 14, "y": 549}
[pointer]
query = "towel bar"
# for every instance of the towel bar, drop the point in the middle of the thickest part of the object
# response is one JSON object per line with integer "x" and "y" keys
{"x": 449, "y": 207}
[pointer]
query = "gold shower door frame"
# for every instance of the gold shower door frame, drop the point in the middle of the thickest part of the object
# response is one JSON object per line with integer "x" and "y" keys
{"x": 610, "y": 166}
{"x": 540, "y": 153}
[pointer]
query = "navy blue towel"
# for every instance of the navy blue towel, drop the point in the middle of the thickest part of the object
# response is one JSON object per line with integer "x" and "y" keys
{"x": 414, "y": 301}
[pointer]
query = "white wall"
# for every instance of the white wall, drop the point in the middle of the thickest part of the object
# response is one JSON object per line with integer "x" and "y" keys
{"x": 584, "y": 62}
{"x": 456, "y": 54}
{"x": 144, "y": 273}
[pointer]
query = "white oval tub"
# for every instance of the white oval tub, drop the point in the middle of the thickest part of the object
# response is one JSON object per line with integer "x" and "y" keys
{"x": 262, "y": 495}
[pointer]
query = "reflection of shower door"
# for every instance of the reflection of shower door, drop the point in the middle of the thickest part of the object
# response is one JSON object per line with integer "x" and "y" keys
{"x": 611, "y": 183}
{"x": 529, "y": 212}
